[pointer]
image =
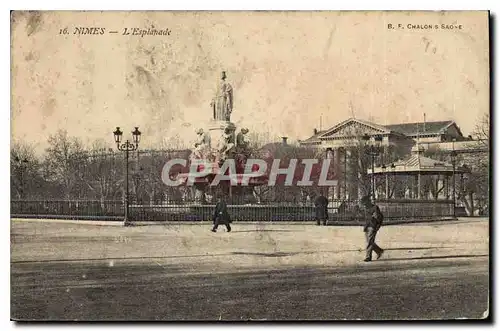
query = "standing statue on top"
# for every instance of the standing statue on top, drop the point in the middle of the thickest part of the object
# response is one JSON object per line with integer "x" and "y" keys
{"x": 222, "y": 104}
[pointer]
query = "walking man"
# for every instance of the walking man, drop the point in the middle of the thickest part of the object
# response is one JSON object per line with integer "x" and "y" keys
{"x": 374, "y": 219}
{"x": 221, "y": 215}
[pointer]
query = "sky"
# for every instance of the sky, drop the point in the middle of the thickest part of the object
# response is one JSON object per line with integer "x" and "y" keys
{"x": 287, "y": 69}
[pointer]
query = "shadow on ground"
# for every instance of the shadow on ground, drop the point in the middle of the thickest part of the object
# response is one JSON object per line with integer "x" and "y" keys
{"x": 262, "y": 254}
{"x": 264, "y": 230}
{"x": 436, "y": 257}
{"x": 421, "y": 288}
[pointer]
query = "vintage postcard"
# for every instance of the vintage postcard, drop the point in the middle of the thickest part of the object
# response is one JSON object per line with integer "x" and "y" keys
{"x": 250, "y": 165}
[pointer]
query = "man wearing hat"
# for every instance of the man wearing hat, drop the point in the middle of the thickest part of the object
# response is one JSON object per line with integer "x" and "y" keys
{"x": 321, "y": 209}
{"x": 221, "y": 215}
{"x": 374, "y": 219}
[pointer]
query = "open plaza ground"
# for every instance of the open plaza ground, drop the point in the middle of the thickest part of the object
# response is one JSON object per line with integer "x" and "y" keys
{"x": 259, "y": 271}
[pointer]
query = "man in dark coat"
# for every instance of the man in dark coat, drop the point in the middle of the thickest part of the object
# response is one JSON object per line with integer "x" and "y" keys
{"x": 373, "y": 221}
{"x": 321, "y": 204}
{"x": 221, "y": 215}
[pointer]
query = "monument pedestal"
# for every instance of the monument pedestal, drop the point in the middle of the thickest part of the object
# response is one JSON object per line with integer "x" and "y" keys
{"x": 217, "y": 130}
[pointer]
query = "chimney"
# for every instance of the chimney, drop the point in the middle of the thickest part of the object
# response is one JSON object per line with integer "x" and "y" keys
{"x": 284, "y": 140}
{"x": 315, "y": 131}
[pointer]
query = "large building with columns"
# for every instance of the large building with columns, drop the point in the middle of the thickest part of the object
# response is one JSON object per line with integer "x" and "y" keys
{"x": 396, "y": 135}
{"x": 396, "y": 142}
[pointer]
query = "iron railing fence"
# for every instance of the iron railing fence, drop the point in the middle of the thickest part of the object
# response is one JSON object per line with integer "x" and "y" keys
{"x": 74, "y": 209}
{"x": 338, "y": 210}
{"x": 393, "y": 209}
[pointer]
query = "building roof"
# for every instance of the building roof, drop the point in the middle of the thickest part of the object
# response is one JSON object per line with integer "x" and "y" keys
{"x": 371, "y": 125}
{"x": 423, "y": 162}
{"x": 313, "y": 139}
{"x": 412, "y": 129}
{"x": 417, "y": 163}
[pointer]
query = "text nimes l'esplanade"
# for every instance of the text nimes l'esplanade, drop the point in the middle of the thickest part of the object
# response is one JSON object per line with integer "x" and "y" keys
{"x": 125, "y": 32}
{"x": 146, "y": 32}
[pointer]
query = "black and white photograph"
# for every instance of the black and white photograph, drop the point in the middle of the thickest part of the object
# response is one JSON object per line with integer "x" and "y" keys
{"x": 245, "y": 166}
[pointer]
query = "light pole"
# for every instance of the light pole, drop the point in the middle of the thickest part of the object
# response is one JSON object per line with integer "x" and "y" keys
{"x": 329, "y": 155}
{"x": 342, "y": 152}
{"x": 387, "y": 172}
{"x": 393, "y": 176}
{"x": 127, "y": 147}
{"x": 373, "y": 151}
{"x": 384, "y": 168}
{"x": 453, "y": 163}
{"x": 463, "y": 169}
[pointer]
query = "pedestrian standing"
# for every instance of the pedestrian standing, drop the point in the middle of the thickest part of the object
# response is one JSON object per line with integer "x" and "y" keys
{"x": 321, "y": 209}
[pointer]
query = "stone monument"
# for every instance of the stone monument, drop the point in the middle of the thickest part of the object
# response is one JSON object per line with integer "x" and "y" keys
{"x": 221, "y": 128}
{"x": 220, "y": 142}
{"x": 222, "y": 103}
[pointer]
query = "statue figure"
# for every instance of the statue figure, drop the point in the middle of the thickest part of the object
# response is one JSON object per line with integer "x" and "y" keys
{"x": 222, "y": 104}
{"x": 226, "y": 145}
{"x": 241, "y": 139}
{"x": 202, "y": 145}
{"x": 243, "y": 145}
{"x": 203, "y": 137}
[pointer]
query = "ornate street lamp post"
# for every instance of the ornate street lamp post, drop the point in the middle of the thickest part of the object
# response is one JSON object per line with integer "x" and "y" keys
{"x": 127, "y": 147}
{"x": 373, "y": 151}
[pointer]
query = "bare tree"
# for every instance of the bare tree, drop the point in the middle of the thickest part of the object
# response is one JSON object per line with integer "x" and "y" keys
{"x": 102, "y": 172}
{"x": 471, "y": 181}
{"x": 257, "y": 140}
{"x": 25, "y": 176}
{"x": 357, "y": 162}
{"x": 481, "y": 132}
{"x": 475, "y": 187}
{"x": 285, "y": 153}
{"x": 62, "y": 161}
{"x": 148, "y": 172}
